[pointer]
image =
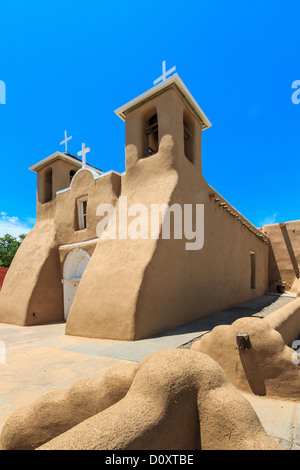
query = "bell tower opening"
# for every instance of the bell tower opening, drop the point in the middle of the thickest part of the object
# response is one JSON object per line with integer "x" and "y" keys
{"x": 151, "y": 132}
{"x": 188, "y": 142}
{"x": 47, "y": 186}
{"x": 72, "y": 173}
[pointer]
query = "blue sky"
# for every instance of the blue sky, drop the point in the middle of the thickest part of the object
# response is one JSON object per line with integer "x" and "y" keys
{"x": 69, "y": 64}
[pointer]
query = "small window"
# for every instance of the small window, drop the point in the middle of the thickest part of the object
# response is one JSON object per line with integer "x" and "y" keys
{"x": 253, "y": 269}
{"x": 82, "y": 213}
{"x": 151, "y": 132}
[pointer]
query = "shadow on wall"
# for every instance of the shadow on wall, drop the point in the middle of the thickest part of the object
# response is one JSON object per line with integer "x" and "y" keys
{"x": 274, "y": 273}
{"x": 290, "y": 250}
{"x": 223, "y": 317}
{"x": 253, "y": 371}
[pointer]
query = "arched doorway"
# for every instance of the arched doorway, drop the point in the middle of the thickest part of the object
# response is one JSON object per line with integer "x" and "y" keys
{"x": 75, "y": 264}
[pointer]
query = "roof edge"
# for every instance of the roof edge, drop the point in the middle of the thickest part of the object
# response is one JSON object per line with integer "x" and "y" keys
{"x": 69, "y": 158}
{"x": 176, "y": 80}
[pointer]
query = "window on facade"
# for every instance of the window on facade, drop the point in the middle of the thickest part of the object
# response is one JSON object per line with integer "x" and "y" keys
{"x": 82, "y": 213}
{"x": 151, "y": 132}
{"x": 253, "y": 269}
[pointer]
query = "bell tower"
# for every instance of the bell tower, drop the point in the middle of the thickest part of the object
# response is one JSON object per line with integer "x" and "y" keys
{"x": 54, "y": 173}
{"x": 167, "y": 114}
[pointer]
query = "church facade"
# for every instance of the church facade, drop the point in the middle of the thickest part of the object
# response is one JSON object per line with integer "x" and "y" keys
{"x": 126, "y": 288}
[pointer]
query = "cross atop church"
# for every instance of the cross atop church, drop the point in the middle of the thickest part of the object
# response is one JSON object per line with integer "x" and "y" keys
{"x": 84, "y": 150}
{"x": 66, "y": 142}
{"x": 165, "y": 73}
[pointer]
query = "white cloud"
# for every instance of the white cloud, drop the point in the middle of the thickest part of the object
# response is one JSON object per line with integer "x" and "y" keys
{"x": 14, "y": 226}
{"x": 269, "y": 220}
{"x": 12, "y": 220}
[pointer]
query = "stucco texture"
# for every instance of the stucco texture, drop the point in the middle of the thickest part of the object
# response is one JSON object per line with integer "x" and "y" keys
{"x": 32, "y": 293}
{"x": 178, "y": 399}
{"x": 267, "y": 367}
{"x": 137, "y": 288}
{"x": 284, "y": 259}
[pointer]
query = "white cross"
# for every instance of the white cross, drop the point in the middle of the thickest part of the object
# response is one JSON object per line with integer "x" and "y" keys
{"x": 66, "y": 142}
{"x": 84, "y": 150}
{"x": 164, "y": 73}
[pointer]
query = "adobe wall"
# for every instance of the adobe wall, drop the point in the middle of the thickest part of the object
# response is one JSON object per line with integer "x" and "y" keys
{"x": 267, "y": 367}
{"x": 174, "y": 399}
{"x": 192, "y": 284}
{"x": 114, "y": 275}
{"x": 32, "y": 293}
{"x": 286, "y": 321}
{"x": 60, "y": 180}
{"x": 136, "y": 288}
{"x": 37, "y": 269}
{"x": 103, "y": 189}
{"x": 284, "y": 254}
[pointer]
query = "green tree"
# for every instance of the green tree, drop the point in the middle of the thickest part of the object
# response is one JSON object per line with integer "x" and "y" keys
{"x": 8, "y": 248}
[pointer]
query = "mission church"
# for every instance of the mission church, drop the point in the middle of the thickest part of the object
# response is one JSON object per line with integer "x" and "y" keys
{"x": 127, "y": 289}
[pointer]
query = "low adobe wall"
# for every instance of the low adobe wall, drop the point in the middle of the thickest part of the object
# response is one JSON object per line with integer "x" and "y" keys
{"x": 174, "y": 399}
{"x": 266, "y": 367}
{"x": 286, "y": 321}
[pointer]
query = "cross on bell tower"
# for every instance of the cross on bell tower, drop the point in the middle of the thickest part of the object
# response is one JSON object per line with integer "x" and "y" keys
{"x": 66, "y": 142}
{"x": 165, "y": 73}
{"x": 84, "y": 150}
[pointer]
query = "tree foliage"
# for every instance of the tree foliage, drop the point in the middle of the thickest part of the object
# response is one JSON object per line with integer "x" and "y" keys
{"x": 8, "y": 248}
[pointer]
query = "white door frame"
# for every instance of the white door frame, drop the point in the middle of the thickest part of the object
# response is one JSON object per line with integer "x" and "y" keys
{"x": 74, "y": 267}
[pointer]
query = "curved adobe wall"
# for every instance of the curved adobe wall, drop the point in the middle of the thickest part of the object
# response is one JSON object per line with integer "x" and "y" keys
{"x": 35, "y": 276}
{"x": 114, "y": 276}
{"x": 58, "y": 411}
{"x": 266, "y": 368}
{"x": 178, "y": 399}
{"x": 286, "y": 321}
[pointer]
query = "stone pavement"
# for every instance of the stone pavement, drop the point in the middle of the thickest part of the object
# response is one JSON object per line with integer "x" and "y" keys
{"x": 43, "y": 358}
{"x": 37, "y": 361}
{"x": 281, "y": 419}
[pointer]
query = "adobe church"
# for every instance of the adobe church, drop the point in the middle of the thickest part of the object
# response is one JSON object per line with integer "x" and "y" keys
{"x": 128, "y": 289}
